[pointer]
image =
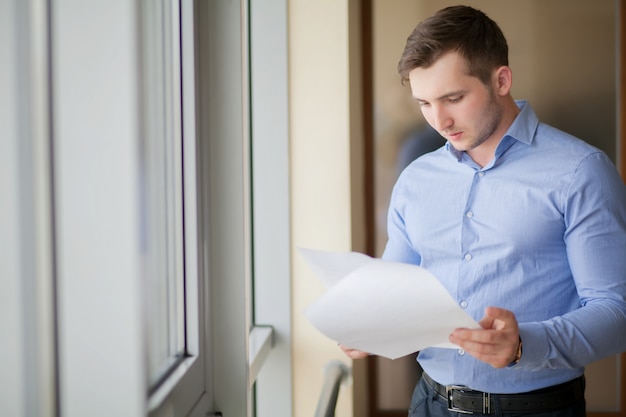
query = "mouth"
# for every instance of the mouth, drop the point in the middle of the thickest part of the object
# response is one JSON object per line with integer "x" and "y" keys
{"x": 454, "y": 135}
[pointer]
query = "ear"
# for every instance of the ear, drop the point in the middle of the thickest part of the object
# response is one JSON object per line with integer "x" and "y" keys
{"x": 502, "y": 80}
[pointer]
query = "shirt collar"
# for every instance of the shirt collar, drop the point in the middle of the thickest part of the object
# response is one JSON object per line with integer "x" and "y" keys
{"x": 522, "y": 130}
{"x": 525, "y": 124}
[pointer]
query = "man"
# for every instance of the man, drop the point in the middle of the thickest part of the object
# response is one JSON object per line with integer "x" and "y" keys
{"x": 523, "y": 224}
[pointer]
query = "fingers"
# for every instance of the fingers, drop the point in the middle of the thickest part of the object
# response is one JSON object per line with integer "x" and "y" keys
{"x": 499, "y": 317}
{"x": 496, "y": 343}
{"x": 353, "y": 353}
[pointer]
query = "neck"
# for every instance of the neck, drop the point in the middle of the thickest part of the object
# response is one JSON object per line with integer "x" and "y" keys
{"x": 483, "y": 154}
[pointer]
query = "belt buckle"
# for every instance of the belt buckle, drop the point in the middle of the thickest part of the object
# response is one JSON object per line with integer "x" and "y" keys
{"x": 486, "y": 402}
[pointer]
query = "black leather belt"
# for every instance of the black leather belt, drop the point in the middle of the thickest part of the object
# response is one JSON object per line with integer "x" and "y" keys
{"x": 462, "y": 399}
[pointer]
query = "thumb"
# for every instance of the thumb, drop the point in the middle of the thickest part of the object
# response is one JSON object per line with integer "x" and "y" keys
{"x": 496, "y": 318}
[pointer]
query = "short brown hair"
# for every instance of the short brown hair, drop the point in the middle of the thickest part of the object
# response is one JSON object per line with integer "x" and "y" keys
{"x": 463, "y": 29}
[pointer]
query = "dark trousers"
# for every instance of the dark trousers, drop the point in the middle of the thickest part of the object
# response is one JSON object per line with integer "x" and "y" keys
{"x": 426, "y": 402}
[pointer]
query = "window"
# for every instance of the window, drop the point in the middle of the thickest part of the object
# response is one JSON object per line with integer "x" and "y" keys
{"x": 161, "y": 190}
{"x": 130, "y": 325}
{"x": 173, "y": 312}
{"x": 143, "y": 232}
{"x": 270, "y": 205}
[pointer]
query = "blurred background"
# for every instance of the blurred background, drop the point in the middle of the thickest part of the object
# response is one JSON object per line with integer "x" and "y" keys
{"x": 563, "y": 57}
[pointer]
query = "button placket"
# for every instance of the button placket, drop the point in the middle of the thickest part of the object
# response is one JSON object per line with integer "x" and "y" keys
{"x": 469, "y": 240}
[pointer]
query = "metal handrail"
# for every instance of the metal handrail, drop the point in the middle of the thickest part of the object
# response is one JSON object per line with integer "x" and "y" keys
{"x": 335, "y": 372}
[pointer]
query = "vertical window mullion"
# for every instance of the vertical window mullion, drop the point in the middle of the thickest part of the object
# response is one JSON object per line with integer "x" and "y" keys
{"x": 162, "y": 155}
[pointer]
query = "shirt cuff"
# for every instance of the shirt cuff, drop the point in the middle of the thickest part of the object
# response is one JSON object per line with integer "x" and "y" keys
{"x": 536, "y": 346}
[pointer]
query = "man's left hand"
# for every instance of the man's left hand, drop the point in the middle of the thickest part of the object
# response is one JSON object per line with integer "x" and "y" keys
{"x": 496, "y": 343}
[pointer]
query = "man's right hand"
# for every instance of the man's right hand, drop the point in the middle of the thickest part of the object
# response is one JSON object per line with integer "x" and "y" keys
{"x": 353, "y": 353}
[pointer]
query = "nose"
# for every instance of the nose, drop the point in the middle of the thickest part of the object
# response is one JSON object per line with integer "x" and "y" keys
{"x": 440, "y": 119}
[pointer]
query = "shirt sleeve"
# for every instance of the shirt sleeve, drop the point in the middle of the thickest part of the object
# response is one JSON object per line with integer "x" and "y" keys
{"x": 594, "y": 213}
{"x": 399, "y": 247}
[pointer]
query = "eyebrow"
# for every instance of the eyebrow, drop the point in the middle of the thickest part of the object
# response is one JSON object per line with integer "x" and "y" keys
{"x": 445, "y": 96}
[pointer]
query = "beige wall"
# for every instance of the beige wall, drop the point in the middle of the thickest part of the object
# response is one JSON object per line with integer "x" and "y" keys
{"x": 321, "y": 115}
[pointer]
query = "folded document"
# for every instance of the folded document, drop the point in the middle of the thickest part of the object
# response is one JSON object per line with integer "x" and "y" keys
{"x": 389, "y": 309}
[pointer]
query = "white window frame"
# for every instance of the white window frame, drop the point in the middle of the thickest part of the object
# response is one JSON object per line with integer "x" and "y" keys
{"x": 97, "y": 122}
{"x": 271, "y": 200}
{"x": 27, "y": 355}
{"x": 183, "y": 393}
{"x": 245, "y": 120}
{"x": 224, "y": 202}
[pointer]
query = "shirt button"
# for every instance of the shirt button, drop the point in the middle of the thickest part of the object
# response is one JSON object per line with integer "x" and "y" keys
{"x": 468, "y": 257}
{"x": 469, "y": 214}
{"x": 481, "y": 174}
{"x": 464, "y": 304}
{"x": 461, "y": 352}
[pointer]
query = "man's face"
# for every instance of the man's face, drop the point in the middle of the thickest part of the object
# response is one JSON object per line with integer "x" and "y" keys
{"x": 459, "y": 106}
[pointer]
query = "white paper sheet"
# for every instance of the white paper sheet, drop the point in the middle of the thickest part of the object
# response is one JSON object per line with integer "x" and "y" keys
{"x": 385, "y": 308}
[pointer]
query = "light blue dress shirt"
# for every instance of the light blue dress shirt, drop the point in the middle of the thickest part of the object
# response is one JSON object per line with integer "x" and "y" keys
{"x": 540, "y": 231}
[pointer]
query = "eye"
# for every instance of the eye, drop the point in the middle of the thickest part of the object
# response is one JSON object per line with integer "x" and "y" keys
{"x": 455, "y": 99}
{"x": 423, "y": 103}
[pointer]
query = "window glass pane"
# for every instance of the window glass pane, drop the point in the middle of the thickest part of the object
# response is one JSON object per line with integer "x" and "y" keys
{"x": 161, "y": 188}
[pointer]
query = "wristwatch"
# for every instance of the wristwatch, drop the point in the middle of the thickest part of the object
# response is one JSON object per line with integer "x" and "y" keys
{"x": 518, "y": 355}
